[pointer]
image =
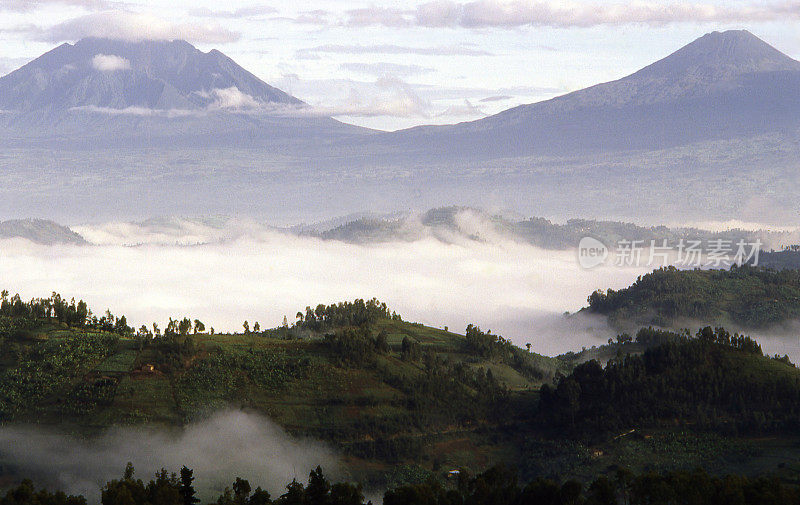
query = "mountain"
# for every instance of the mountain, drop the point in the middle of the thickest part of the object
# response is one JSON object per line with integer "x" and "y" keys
{"x": 721, "y": 86}
{"x": 40, "y": 231}
{"x": 151, "y": 90}
{"x": 708, "y": 133}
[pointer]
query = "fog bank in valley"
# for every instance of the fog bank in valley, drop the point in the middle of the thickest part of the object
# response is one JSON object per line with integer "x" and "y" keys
{"x": 445, "y": 268}
{"x": 228, "y": 444}
{"x": 514, "y": 289}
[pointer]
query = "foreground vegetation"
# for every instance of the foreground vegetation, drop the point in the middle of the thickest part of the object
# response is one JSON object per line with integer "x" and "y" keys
{"x": 405, "y": 403}
{"x": 496, "y": 486}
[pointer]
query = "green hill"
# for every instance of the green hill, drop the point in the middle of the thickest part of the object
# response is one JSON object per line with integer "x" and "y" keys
{"x": 402, "y": 401}
{"x": 747, "y": 297}
{"x": 379, "y": 388}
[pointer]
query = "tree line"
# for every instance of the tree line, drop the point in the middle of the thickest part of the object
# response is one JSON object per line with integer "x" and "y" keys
{"x": 498, "y": 485}
{"x": 714, "y": 380}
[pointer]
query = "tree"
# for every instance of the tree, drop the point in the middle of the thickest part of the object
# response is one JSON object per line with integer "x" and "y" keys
{"x": 184, "y": 326}
{"x": 187, "y": 491}
{"x": 246, "y": 327}
{"x": 256, "y": 327}
{"x": 294, "y": 495}
{"x": 343, "y": 493}
{"x": 199, "y": 327}
{"x": 318, "y": 489}
{"x": 259, "y": 497}
{"x": 382, "y": 342}
{"x": 571, "y": 391}
{"x": 241, "y": 491}
{"x": 602, "y": 492}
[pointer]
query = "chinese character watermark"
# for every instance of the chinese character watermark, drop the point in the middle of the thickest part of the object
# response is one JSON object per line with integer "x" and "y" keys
{"x": 685, "y": 253}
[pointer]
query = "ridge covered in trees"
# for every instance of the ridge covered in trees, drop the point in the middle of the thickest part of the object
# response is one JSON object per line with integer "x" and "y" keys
{"x": 715, "y": 380}
{"x": 749, "y": 297}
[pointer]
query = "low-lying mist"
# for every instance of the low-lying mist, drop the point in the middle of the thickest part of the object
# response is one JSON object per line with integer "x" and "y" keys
{"x": 227, "y": 445}
{"x": 467, "y": 269}
{"x": 514, "y": 289}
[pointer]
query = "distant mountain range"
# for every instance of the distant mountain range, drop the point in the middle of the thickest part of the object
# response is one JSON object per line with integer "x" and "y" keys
{"x": 104, "y": 129}
{"x": 723, "y": 85}
{"x": 447, "y": 224}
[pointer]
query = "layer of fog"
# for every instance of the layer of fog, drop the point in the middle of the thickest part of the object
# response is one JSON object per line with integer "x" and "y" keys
{"x": 513, "y": 289}
{"x": 227, "y": 445}
{"x": 224, "y": 271}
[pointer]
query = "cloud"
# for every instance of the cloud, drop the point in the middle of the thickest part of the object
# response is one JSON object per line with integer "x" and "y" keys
{"x": 464, "y": 109}
{"x": 496, "y": 98}
{"x": 457, "y": 50}
{"x": 125, "y": 25}
{"x": 110, "y": 63}
{"x": 248, "y": 271}
{"x": 230, "y": 270}
{"x": 30, "y": 5}
{"x": 229, "y": 99}
{"x": 387, "y": 96}
{"x": 313, "y": 17}
{"x": 378, "y": 16}
{"x": 253, "y": 11}
{"x": 138, "y": 111}
{"x": 232, "y": 98}
{"x": 515, "y": 13}
{"x": 383, "y": 68}
{"x": 228, "y": 444}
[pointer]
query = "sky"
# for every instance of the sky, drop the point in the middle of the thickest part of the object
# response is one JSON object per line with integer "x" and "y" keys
{"x": 392, "y": 64}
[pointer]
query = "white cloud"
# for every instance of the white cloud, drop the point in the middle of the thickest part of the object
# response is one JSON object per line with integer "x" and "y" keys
{"x": 125, "y": 25}
{"x": 253, "y": 11}
{"x": 232, "y": 98}
{"x": 514, "y": 13}
{"x": 110, "y": 63}
{"x": 458, "y": 50}
{"x": 464, "y": 109}
{"x": 138, "y": 111}
{"x": 384, "y": 68}
{"x": 263, "y": 275}
{"x": 29, "y": 5}
{"x": 387, "y": 96}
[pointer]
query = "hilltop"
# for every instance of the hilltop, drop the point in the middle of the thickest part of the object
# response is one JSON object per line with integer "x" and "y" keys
{"x": 746, "y": 297}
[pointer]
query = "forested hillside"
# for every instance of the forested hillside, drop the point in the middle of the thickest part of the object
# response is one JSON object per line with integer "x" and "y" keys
{"x": 353, "y": 374}
{"x": 402, "y": 402}
{"x": 714, "y": 381}
{"x": 747, "y": 297}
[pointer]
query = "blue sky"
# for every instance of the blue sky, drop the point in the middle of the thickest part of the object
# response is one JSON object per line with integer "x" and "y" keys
{"x": 391, "y": 64}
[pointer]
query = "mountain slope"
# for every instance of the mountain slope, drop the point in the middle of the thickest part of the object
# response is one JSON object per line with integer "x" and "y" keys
{"x": 723, "y": 85}
{"x": 116, "y": 74}
{"x": 153, "y": 90}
